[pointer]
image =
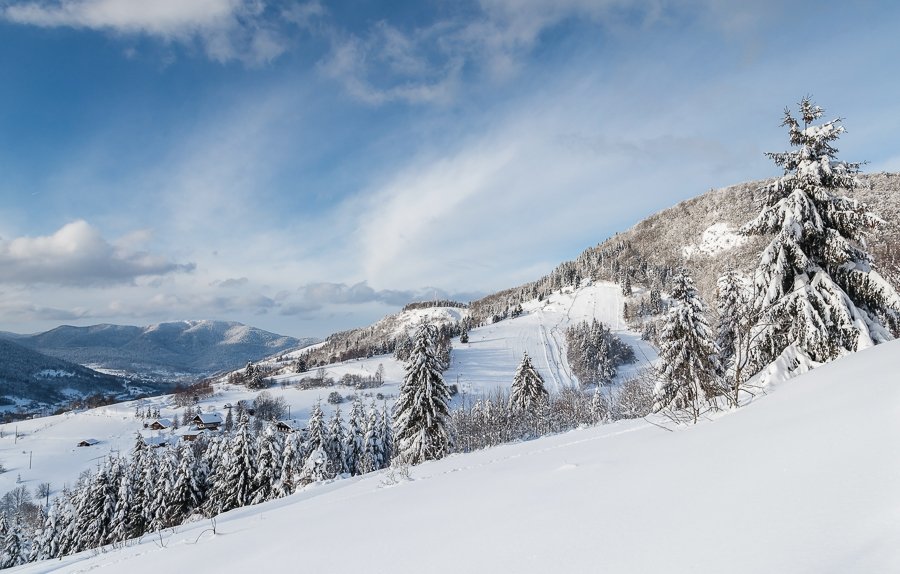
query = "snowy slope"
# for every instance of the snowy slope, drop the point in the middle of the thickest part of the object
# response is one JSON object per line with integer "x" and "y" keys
{"x": 486, "y": 363}
{"x": 802, "y": 480}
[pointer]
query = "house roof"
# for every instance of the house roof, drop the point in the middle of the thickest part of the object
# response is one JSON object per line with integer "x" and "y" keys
{"x": 90, "y": 441}
{"x": 209, "y": 418}
{"x": 164, "y": 422}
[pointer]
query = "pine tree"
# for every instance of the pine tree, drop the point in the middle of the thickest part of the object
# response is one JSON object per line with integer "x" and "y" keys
{"x": 688, "y": 354}
{"x": 13, "y": 551}
{"x": 816, "y": 291}
{"x": 268, "y": 466}
{"x": 291, "y": 461}
{"x": 421, "y": 427}
{"x": 355, "y": 439}
{"x": 373, "y": 450}
{"x": 527, "y": 390}
{"x": 386, "y": 429}
{"x": 336, "y": 445}
{"x": 234, "y": 483}
{"x": 187, "y": 491}
{"x": 730, "y": 305}
{"x": 163, "y": 507}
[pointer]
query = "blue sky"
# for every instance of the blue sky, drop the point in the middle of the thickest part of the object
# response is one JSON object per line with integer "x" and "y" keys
{"x": 310, "y": 166}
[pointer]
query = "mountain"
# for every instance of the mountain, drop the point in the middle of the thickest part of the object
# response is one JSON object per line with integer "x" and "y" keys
{"x": 29, "y": 379}
{"x": 183, "y": 349}
{"x": 800, "y": 480}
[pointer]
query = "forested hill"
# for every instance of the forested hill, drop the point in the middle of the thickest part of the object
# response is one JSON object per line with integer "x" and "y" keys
{"x": 188, "y": 348}
{"x": 30, "y": 378}
{"x": 699, "y": 234}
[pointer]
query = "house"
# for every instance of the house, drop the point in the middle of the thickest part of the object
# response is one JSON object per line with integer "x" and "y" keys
{"x": 210, "y": 421}
{"x": 191, "y": 435}
{"x": 160, "y": 424}
{"x": 89, "y": 442}
{"x": 287, "y": 426}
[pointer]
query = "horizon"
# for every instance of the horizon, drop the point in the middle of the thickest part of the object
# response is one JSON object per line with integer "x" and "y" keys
{"x": 305, "y": 168}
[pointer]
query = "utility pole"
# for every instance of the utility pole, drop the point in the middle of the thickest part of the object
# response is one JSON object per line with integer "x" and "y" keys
{"x": 30, "y": 454}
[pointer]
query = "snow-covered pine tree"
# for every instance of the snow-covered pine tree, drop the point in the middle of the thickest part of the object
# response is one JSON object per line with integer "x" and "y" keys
{"x": 96, "y": 508}
{"x": 731, "y": 301}
{"x": 336, "y": 445}
{"x": 688, "y": 356}
{"x": 268, "y": 468}
{"x": 291, "y": 461}
{"x": 355, "y": 439}
{"x": 373, "y": 451}
{"x": 162, "y": 507}
{"x": 234, "y": 484}
{"x": 46, "y": 542}
{"x": 816, "y": 290}
{"x": 13, "y": 551}
{"x": 421, "y": 430}
{"x": 527, "y": 389}
{"x": 187, "y": 490}
{"x": 386, "y": 431}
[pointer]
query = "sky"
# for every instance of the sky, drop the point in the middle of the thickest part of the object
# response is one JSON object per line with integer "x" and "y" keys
{"x": 307, "y": 167}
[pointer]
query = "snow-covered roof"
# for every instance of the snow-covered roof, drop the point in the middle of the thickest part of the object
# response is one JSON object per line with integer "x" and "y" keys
{"x": 209, "y": 418}
{"x": 292, "y": 424}
{"x": 89, "y": 441}
{"x": 163, "y": 422}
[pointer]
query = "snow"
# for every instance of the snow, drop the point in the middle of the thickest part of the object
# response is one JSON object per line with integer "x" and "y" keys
{"x": 715, "y": 239}
{"x": 486, "y": 363}
{"x": 801, "y": 480}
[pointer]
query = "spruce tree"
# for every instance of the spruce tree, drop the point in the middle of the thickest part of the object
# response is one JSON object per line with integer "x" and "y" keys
{"x": 234, "y": 484}
{"x": 291, "y": 461}
{"x": 336, "y": 445}
{"x": 688, "y": 356}
{"x": 187, "y": 492}
{"x": 816, "y": 291}
{"x": 268, "y": 466}
{"x": 527, "y": 390}
{"x": 421, "y": 421}
{"x": 354, "y": 445}
{"x": 13, "y": 551}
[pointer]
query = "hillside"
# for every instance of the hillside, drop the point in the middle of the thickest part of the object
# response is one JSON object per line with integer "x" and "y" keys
{"x": 163, "y": 351}
{"x": 699, "y": 234}
{"x": 30, "y": 380}
{"x": 480, "y": 368}
{"x": 802, "y": 480}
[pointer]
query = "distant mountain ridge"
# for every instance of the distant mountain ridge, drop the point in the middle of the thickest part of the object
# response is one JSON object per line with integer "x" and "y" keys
{"x": 182, "y": 349}
{"x": 27, "y": 376}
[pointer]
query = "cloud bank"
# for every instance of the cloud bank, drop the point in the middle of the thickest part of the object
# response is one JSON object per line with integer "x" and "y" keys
{"x": 78, "y": 255}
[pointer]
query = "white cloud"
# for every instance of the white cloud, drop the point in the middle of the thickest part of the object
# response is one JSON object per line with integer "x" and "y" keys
{"x": 227, "y": 29}
{"x": 78, "y": 255}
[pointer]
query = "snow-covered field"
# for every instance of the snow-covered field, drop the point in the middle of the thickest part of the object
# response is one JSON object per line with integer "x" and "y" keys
{"x": 46, "y": 451}
{"x": 803, "y": 480}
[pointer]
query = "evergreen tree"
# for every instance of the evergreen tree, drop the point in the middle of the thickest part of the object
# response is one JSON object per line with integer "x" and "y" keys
{"x": 13, "y": 552}
{"x": 527, "y": 390}
{"x": 816, "y": 292}
{"x": 268, "y": 466}
{"x": 373, "y": 450}
{"x": 163, "y": 507}
{"x": 291, "y": 461}
{"x": 187, "y": 491}
{"x": 730, "y": 305}
{"x": 355, "y": 439}
{"x": 421, "y": 427}
{"x": 386, "y": 429}
{"x": 336, "y": 445}
{"x": 688, "y": 354}
{"x": 234, "y": 484}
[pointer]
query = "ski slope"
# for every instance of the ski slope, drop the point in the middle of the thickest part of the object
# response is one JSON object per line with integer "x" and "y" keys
{"x": 45, "y": 449}
{"x": 803, "y": 480}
